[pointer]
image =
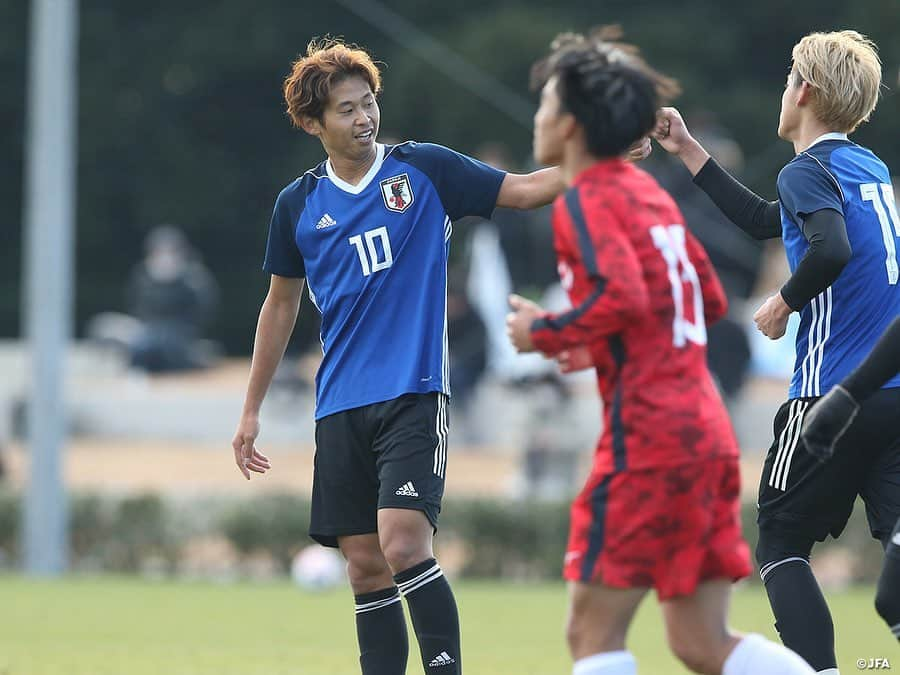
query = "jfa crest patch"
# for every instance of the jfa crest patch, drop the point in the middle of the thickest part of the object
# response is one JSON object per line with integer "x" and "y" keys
{"x": 397, "y": 193}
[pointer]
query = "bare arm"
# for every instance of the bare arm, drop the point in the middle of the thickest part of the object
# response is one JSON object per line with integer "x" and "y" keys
{"x": 539, "y": 188}
{"x": 530, "y": 190}
{"x": 273, "y": 330}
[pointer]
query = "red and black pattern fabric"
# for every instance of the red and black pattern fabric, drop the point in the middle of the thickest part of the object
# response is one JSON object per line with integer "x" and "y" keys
{"x": 642, "y": 291}
{"x": 667, "y": 528}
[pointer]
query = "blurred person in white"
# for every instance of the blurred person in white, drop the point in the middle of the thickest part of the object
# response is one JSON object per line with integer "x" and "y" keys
{"x": 171, "y": 298}
{"x": 837, "y": 218}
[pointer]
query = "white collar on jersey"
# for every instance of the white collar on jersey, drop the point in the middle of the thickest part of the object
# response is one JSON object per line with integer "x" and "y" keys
{"x": 830, "y": 136}
{"x": 361, "y": 185}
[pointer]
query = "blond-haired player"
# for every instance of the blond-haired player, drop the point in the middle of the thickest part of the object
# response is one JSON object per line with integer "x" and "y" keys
{"x": 836, "y": 215}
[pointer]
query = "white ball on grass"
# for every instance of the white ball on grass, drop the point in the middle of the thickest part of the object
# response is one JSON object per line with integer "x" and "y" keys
{"x": 317, "y": 568}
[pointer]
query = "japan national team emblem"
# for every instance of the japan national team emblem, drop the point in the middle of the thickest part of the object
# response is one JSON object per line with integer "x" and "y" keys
{"x": 397, "y": 193}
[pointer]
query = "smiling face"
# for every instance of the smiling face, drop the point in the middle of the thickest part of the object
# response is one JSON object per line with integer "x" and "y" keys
{"x": 349, "y": 121}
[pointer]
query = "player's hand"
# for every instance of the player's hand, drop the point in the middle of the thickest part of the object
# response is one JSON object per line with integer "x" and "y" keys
{"x": 518, "y": 322}
{"x": 246, "y": 456}
{"x": 572, "y": 360}
{"x": 639, "y": 150}
{"x": 827, "y": 421}
{"x": 772, "y": 317}
{"x": 671, "y": 132}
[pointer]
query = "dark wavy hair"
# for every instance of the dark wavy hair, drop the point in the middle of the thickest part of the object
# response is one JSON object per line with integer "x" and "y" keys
{"x": 608, "y": 87}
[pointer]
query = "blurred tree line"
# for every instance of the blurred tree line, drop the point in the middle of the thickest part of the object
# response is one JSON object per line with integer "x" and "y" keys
{"x": 181, "y": 119}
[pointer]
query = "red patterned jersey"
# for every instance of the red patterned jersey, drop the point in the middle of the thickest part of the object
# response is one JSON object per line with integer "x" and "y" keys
{"x": 642, "y": 291}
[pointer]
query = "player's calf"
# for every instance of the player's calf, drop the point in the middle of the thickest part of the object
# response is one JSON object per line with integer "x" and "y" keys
{"x": 802, "y": 617}
{"x": 887, "y": 596}
{"x": 596, "y": 628}
{"x": 380, "y": 624}
{"x": 406, "y": 536}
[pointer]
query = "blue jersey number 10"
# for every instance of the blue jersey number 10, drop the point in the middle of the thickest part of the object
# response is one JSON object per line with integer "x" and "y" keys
{"x": 886, "y": 211}
{"x": 369, "y": 257}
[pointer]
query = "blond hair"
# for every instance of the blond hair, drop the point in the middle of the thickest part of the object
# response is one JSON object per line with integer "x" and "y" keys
{"x": 844, "y": 69}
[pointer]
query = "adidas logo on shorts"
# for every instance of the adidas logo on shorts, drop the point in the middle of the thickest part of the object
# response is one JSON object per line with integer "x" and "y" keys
{"x": 442, "y": 659}
{"x": 407, "y": 490}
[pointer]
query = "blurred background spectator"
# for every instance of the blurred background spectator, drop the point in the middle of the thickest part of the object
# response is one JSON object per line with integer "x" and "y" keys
{"x": 171, "y": 299}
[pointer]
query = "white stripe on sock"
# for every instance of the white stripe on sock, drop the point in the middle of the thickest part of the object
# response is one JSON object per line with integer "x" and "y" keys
{"x": 372, "y": 606}
{"x": 406, "y": 589}
{"x": 766, "y": 569}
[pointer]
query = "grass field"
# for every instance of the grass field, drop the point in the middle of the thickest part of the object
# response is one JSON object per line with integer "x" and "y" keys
{"x": 115, "y": 626}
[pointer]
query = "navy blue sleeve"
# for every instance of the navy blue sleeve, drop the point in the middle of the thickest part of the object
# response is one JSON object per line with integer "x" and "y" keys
{"x": 282, "y": 255}
{"x": 806, "y": 186}
{"x": 467, "y": 187}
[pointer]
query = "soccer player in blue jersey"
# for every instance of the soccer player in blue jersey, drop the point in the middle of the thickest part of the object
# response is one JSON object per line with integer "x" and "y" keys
{"x": 825, "y": 426}
{"x": 367, "y": 232}
{"x": 836, "y": 215}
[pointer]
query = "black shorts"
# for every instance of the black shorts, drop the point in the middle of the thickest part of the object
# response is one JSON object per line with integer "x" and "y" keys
{"x": 801, "y": 496}
{"x": 384, "y": 455}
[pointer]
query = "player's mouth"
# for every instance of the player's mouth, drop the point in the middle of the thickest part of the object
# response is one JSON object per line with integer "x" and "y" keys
{"x": 365, "y": 136}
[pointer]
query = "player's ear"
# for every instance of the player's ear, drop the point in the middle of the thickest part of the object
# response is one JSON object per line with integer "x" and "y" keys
{"x": 804, "y": 94}
{"x": 568, "y": 125}
{"x": 311, "y": 125}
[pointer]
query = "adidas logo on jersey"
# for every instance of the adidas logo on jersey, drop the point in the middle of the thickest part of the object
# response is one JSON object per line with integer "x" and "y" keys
{"x": 407, "y": 490}
{"x": 442, "y": 659}
{"x": 325, "y": 221}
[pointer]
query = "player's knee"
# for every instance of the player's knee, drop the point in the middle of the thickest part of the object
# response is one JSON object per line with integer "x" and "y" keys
{"x": 404, "y": 550}
{"x": 367, "y": 570}
{"x": 773, "y": 546}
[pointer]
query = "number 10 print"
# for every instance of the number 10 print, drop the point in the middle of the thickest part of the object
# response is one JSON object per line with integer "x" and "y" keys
{"x": 368, "y": 254}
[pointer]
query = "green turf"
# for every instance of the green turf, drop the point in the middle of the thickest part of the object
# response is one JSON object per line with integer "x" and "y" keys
{"x": 114, "y": 626}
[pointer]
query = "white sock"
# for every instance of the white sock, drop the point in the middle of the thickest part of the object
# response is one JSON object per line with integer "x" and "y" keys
{"x": 607, "y": 663}
{"x": 829, "y": 671}
{"x": 754, "y": 654}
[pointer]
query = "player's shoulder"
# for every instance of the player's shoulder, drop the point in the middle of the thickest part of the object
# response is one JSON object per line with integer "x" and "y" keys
{"x": 854, "y": 158}
{"x": 811, "y": 165}
{"x": 296, "y": 192}
{"x": 416, "y": 153}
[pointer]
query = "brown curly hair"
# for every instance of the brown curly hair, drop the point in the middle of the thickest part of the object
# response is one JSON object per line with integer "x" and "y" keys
{"x": 327, "y": 62}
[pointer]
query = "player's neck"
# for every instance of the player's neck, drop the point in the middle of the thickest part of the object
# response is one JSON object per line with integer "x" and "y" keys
{"x": 352, "y": 169}
{"x": 575, "y": 161}
{"x": 808, "y": 131}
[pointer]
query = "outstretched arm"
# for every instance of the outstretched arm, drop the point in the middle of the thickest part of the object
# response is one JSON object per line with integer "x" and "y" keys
{"x": 539, "y": 188}
{"x": 758, "y": 217}
{"x": 530, "y": 190}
